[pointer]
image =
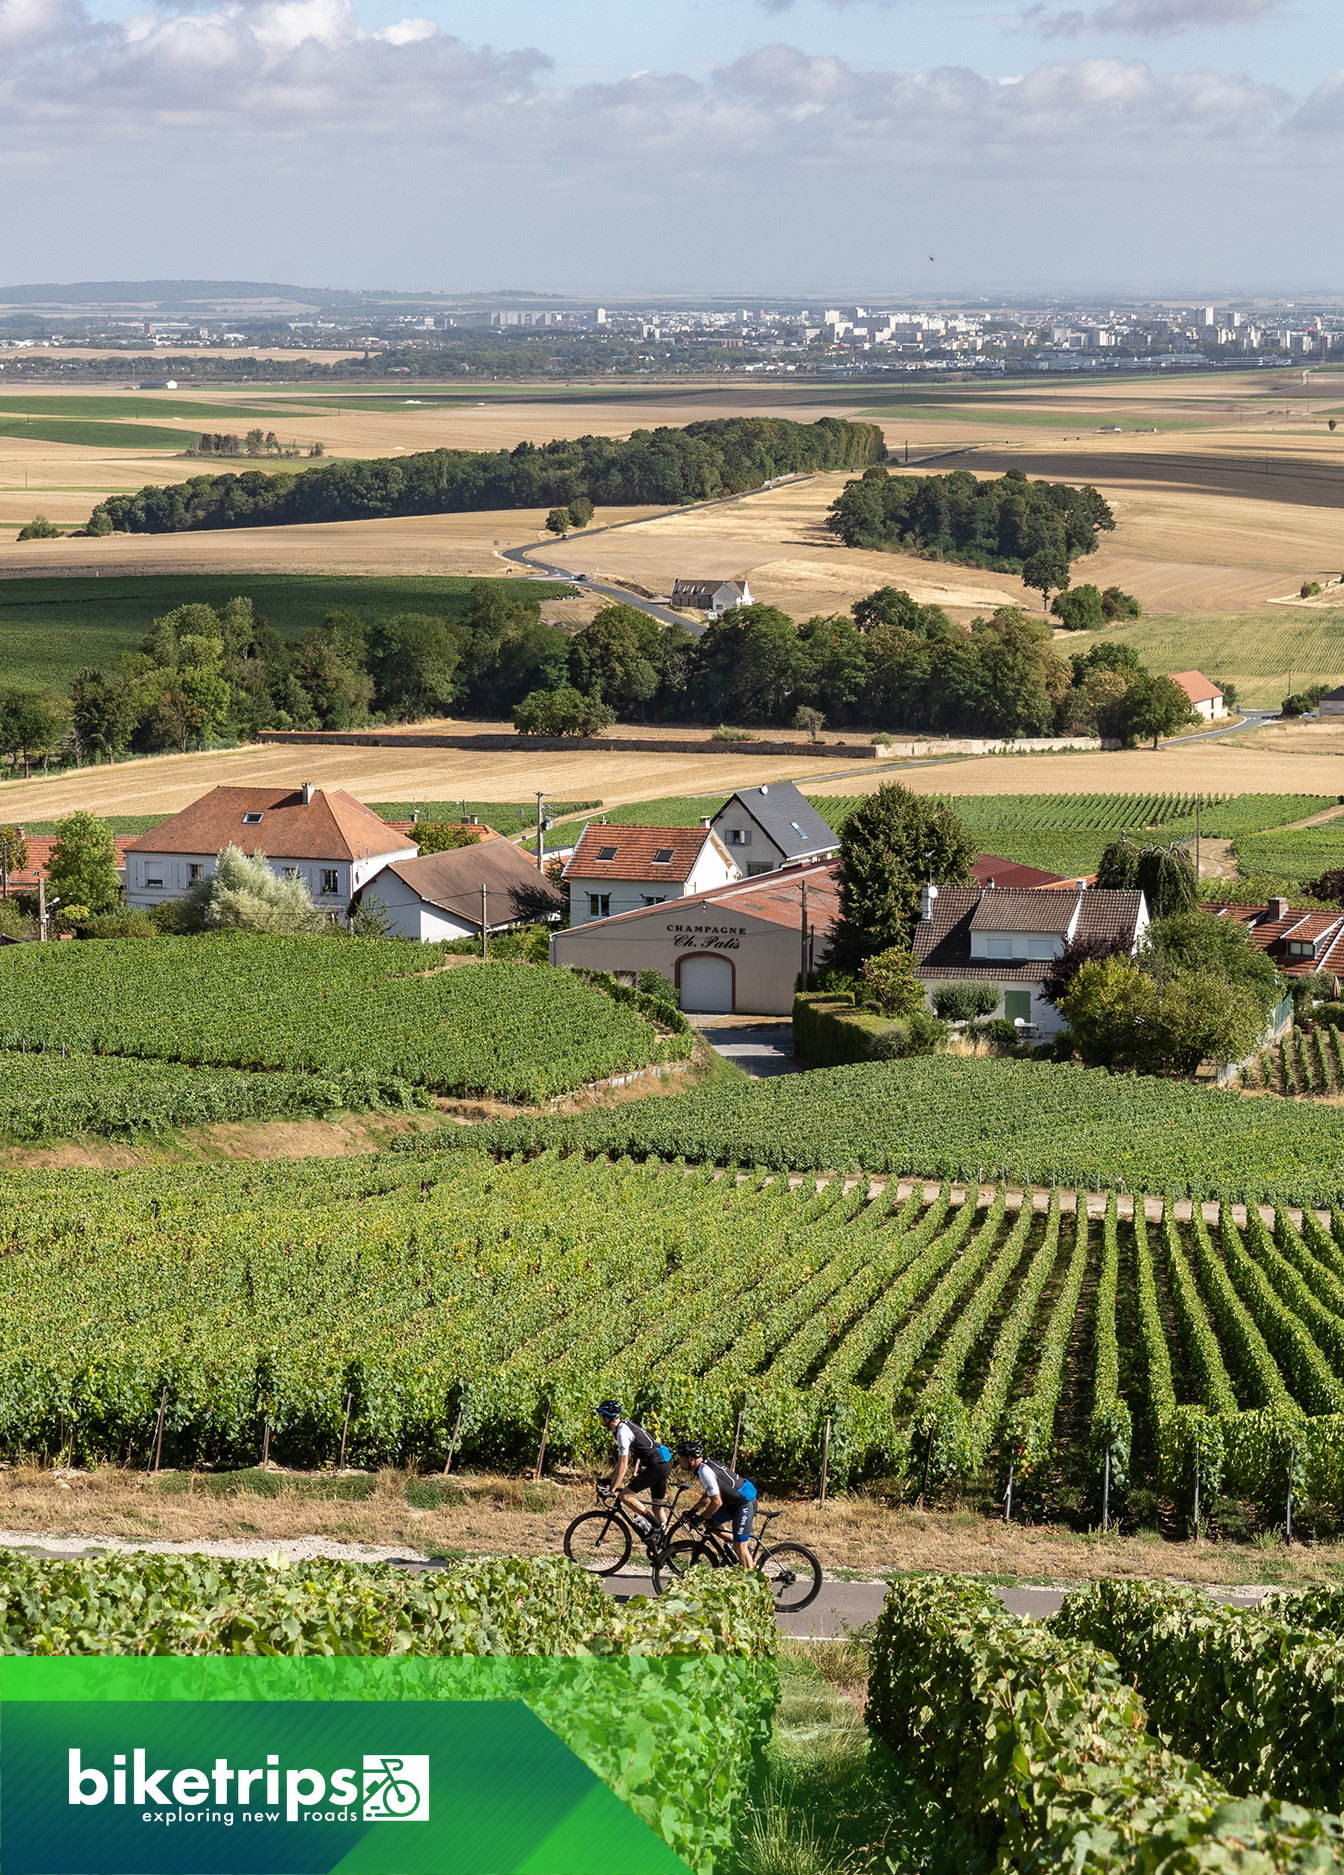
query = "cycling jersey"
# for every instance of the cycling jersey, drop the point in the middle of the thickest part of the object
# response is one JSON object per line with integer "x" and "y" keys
{"x": 653, "y": 1462}
{"x": 631, "y": 1438}
{"x": 717, "y": 1481}
{"x": 738, "y": 1507}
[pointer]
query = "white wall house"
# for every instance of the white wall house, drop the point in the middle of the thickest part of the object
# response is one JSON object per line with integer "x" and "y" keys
{"x": 331, "y": 840}
{"x": 614, "y": 870}
{"x": 772, "y": 826}
{"x": 1204, "y": 694}
{"x": 1010, "y": 937}
{"x": 439, "y": 895}
{"x": 715, "y": 596}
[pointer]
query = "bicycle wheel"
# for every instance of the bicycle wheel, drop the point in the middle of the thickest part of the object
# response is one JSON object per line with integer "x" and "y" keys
{"x": 794, "y": 1575}
{"x": 598, "y": 1541}
{"x": 676, "y": 1559}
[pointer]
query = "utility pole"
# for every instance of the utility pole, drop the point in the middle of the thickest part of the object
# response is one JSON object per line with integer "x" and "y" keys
{"x": 541, "y": 860}
{"x": 485, "y": 926}
{"x": 1198, "y": 800}
{"x": 802, "y": 939}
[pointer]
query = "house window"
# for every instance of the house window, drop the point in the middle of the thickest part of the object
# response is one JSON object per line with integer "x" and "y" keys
{"x": 1301, "y": 947}
{"x": 330, "y": 880}
{"x": 1000, "y": 947}
{"x": 599, "y": 904}
{"x": 606, "y": 852}
{"x": 753, "y": 871}
{"x": 739, "y": 836}
{"x": 154, "y": 879}
{"x": 1017, "y": 1005}
{"x": 251, "y": 820}
{"x": 658, "y": 898}
{"x": 195, "y": 872}
{"x": 292, "y": 872}
{"x": 1040, "y": 947}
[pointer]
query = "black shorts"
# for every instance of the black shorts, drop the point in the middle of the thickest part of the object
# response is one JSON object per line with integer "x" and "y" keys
{"x": 652, "y": 1477}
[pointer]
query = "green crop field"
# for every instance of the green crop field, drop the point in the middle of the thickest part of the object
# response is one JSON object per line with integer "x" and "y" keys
{"x": 507, "y": 817}
{"x": 1257, "y": 651}
{"x": 226, "y": 417}
{"x": 326, "y": 1007}
{"x": 1301, "y": 853}
{"x": 943, "y": 1332}
{"x": 50, "y": 627}
{"x": 84, "y": 434}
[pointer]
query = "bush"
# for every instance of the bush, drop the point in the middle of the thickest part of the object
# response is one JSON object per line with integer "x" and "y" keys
{"x": 1081, "y": 609}
{"x": 1309, "y": 589}
{"x": 964, "y": 1002}
{"x": 724, "y": 734}
{"x": 130, "y": 922}
{"x": 580, "y": 511}
{"x": 1002, "y": 1033}
{"x": 40, "y": 528}
{"x": 919, "y": 1034}
{"x": 440, "y": 836}
{"x": 562, "y": 712}
{"x": 1116, "y": 604}
{"x": 890, "y": 984}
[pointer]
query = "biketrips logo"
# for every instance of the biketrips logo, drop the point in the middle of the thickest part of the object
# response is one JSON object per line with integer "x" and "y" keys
{"x": 395, "y": 1789}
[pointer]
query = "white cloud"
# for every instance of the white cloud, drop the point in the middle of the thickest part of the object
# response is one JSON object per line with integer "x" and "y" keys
{"x": 280, "y": 139}
{"x": 1150, "y": 18}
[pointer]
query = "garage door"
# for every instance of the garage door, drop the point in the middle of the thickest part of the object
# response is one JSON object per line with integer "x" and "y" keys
{"x": 707, "y": 986}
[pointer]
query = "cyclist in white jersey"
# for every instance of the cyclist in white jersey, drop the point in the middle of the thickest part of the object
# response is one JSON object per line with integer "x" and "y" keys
{"x": 728, "y": 1502}
{"x": 636, "y": 1446}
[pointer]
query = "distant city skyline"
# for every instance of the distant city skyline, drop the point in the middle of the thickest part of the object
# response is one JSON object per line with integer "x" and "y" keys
{"x": 917, "y": 148}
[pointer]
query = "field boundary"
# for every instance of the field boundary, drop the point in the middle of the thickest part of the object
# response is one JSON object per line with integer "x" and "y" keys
{"x": 492, "y": 743}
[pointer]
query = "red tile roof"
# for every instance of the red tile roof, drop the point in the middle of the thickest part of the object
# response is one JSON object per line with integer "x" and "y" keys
{"x": 331, "y": 826}
{"x": 39, "y": 859}
{"x": 773, "y": 896}
{"x": 634, "y": 852}
{"x": 1007, "y": 873}
{"x": 1275, "y": 926}
{"x": 1196, "y": 686}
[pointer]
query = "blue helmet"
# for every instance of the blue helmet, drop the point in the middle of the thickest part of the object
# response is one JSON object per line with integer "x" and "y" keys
{"x": 609, "y": 1409}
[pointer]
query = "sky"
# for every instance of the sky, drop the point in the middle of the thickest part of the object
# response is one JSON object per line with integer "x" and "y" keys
{"x": 824, "y": 148}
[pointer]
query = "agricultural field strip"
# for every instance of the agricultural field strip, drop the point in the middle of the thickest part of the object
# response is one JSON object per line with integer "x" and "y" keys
{"x": 1032, "y": 1421}
{"x": 1258, "y": 1379}
{"x": 328, "y": 1009}
{"x": 1203, "y": 1358}
{"x": 1112, "y": 1422}
{"x": 1308, "y": 1374}
{"x": 1004, "y": 1356}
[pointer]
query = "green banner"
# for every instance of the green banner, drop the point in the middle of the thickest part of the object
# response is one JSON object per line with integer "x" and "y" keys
{"x": 297, "y": 1767}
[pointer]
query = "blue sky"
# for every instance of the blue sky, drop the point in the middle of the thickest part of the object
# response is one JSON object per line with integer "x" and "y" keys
{"x": 818, "y": 147}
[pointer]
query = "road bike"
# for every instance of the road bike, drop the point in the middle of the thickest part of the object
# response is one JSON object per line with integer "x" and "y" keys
{"x": 791, "y": 1569}
{"x": 601, "y": 1540}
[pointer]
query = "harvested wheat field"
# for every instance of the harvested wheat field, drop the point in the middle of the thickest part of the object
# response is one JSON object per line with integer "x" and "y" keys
{"x": 163, "y": 784}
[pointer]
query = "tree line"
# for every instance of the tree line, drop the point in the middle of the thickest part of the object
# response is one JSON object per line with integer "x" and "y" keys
{"x": 725, "y": 456}
{"x": 203, "y": 675}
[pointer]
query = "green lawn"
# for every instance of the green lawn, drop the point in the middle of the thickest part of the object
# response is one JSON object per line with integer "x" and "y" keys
{"x": 50, "y": 627}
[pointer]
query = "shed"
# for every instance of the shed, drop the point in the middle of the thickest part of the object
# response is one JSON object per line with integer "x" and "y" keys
{"x": 438, "y": 895}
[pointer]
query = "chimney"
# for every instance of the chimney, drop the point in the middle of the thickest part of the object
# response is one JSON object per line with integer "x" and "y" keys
{"x": 1278, "y": 908}
{"x": 1082, "y": 886}
{"x": 989, "y": 883}
{"x": 474, "y": 821}
{"x": 704, "y": 820}
{"x": 926, "y": 898}
{"x": 308, "y": 793}
{"x": 415, "y": 816}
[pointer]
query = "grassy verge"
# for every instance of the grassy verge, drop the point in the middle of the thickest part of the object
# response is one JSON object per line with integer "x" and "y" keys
{"x": 828, "y": 1801}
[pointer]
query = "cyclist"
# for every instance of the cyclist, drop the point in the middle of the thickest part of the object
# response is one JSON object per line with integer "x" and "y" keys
{"x": 728, "y": 1501}
{"x": 635, "y": 1444}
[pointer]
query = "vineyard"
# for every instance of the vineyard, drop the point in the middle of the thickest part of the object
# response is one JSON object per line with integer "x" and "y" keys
{"x": 459, "y": 1295}
{"x": 1293, "y": 853}
{"x": 333, "y": 1008}
{"x": 947, "y": 1116}
{"x": 48, "y": 1096}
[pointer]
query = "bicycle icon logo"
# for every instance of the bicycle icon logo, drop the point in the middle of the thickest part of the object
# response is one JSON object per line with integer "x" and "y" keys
{"x": 396, "y": 1789}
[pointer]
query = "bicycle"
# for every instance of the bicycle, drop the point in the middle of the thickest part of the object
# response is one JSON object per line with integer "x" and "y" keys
{"x": 601, "y": 1540}
{"x": 793, "y": 1572}
{"x": 398, "y": 1798}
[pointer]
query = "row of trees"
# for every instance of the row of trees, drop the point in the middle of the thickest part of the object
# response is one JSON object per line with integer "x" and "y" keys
{"x": 1009, "y": 524}
{"x": 723, "y": 456}
{"x": 203, "y": 675}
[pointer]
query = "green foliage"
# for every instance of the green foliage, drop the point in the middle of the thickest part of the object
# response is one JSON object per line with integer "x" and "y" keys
{"x": 244, "y": 893}
{"x": 998, "y": 524}
{"x": 48, "y": 1096}
{"x": 1244, "y": 1691}
{"x": 39, "y": 528}
{"x": 558, "y": 521}
{"x": 964, "y": 1002}
{"x": 890, "y": 983}
{"x": 562, "y": 712}
{"x": 326, "y": 1007}
{"x": 1293, "y": 855}
{"x": 1044, "y": 1751}
{"x": 437, "y": 836}
{"x": 580, "y": 511}
{"x": 1123, "y": 1018}
{"x": 945, "y": 1116}
{"x": 83, "y": 867}
{"x": 1080, "y": 610}
{"x": 720, "y": 456}
{"x": 890, "y": 847}
{"x": 1192, "y": 940}
{"x": 1120, "y": 605}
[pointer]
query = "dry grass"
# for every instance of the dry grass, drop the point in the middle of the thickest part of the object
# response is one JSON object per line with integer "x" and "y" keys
{"x": 500, "y": 1514}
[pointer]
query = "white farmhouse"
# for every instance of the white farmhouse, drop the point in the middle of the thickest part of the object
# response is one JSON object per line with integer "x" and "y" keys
{"x": 614, "y": 870}
{"x": 450, "y": 895}
{"x": 330, "y": 840}
{"x": 715, "y": 596}
{"x": 1205, "y": 696}
{"x": 772, "y": 826}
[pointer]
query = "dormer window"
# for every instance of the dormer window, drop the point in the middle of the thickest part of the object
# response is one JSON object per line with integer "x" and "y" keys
{"x": 1301, "y": 947}
{"x": 662, "y": 856}
{"x": 606, "y": 852}
{"x": 251, "y": 820}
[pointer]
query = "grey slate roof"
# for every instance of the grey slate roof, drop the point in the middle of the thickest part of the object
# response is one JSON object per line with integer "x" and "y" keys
{"x": 786, "y": 817}
{"x": 942, "y": 947}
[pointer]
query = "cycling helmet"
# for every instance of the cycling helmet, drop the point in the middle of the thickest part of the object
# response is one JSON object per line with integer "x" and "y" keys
{"x": 609, "y": 1409}
{"x": 691, "y": 1448}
